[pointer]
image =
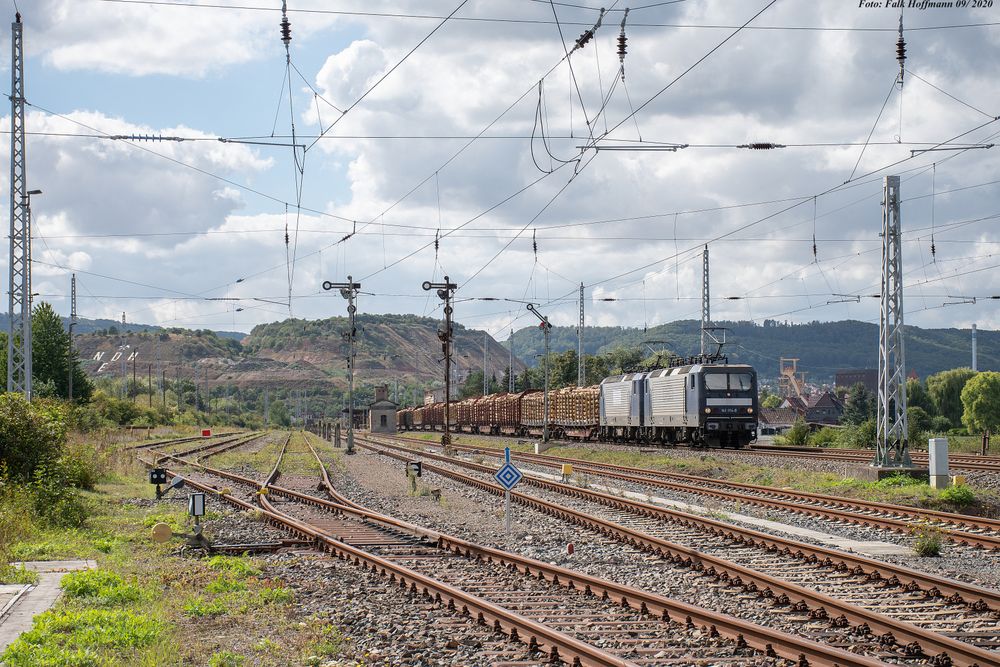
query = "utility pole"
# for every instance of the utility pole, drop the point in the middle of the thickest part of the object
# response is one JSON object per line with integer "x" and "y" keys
{"x": 545, "y": 327}
{"x": 706, "y": 314}
{"x": 149, "y": 372}
{"x": 208, "y": 394}
{"x": 267, "y": 408}
{"x": 19, "y": 297}
{"x": 124, "y": 362}
{"x": 163, "y": 388}
{"x": 135, "y": 385}
{"x": 72, "y": 323}
{"x": 485, "y": 381}
{"x": 580, "y": 372}
{"x": 349, "y": 291}
{"x": 510, "y": 368}
{"x": 892, "y": 447}
{"x": 445, "y": 292}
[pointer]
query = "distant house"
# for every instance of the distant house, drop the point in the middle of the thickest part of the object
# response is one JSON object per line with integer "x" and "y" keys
{"x": 866, "y": 376}
{"x": 382, "y": 413}
{"x": 824, "y": 408}
{"x": 774, "y": 421}
{"x": 820, "y": 408}
{"x": 795, "y": 404}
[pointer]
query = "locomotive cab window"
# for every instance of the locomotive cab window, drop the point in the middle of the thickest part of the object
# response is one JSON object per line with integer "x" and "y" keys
{"x": 731, "y": 381}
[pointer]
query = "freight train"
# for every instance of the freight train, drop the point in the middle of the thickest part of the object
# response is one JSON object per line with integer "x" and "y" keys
{"x": 700, "y": 404}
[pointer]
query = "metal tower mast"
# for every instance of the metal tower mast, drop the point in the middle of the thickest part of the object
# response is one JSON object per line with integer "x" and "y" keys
{"x": 72, "y": 323}
{"x": 124, "y": 361}
{"x": 706, "y": 314}
{"x": 349, "y": 291}
{"x": 486, "y": 384}
{"x": 19, "y": 296}
{"x": 892, "y": 448}
{"x": 580, "y": 372}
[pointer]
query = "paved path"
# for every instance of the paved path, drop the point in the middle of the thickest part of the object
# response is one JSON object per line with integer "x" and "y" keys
{"x": 19, "y": 604}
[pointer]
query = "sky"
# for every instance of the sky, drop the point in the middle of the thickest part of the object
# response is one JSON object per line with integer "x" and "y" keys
{"x": 178, "y": 145}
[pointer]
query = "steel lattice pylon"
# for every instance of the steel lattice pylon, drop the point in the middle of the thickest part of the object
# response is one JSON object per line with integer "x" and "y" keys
{"x": 706, "y": 314}
{"x": 892, "y": 448}
{"x": 19, "y": 294}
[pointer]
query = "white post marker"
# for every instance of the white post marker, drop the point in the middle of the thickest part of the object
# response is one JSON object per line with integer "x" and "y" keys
{"x": 508, "y": 476}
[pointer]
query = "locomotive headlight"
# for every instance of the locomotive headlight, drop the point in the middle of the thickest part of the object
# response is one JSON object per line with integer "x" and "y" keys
{"x": 749, "y": 411}
{"x": 708, "y": 411}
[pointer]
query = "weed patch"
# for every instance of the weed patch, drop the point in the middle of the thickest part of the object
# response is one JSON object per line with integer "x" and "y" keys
{"x": 17, "y": 575}
{"x": 226, "y": 659}
{"x": 101, "y": 588}
{"x": 961, "y": 496}
{"x": 928, "y": 541}
{"x": 82, "y": 638}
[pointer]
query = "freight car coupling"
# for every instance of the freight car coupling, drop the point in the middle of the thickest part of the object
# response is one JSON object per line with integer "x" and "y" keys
{"x": 706, "y": 402}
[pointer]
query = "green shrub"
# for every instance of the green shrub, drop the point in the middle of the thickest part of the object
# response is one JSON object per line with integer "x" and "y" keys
{"x": 797, "y": 435}
{"x": 31, "y": 434}
{"x": 895, "y": 481}
{"x": 825, "y": 437}
{"x": 860, "y": 436}
{"x": 17, "y": 575}
{"x": 199, "y": 607}
{"x": 54, "y": 498}
{"x": 962, "y": 496}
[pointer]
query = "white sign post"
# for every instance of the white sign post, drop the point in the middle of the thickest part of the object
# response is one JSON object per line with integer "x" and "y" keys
{"x": 508, "y": 476}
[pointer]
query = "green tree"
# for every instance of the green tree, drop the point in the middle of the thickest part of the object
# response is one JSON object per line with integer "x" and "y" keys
{"x": 919, "y": 424}
{"x": 798, "y": 434}
{"x": 770, "y": 401}
{"x": 981, "y": 403}
{"x": 861, "y": 405}
{"x": 917, "y": 396}
{"x": 279, "y": 414}
{"x": 945, "y": 389}
{"x": 50, "y": 359}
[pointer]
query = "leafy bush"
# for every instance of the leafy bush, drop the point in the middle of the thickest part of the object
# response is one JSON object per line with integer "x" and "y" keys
{"x": 860, "y": 436}
{"x": 962, "y": 496}
{"x": 940, "y": 424}
{"x": 30, "y": 434}
{"x": 797, "y": 435}
{"x": 54, "y": 498}
{"x": 895, "y": 481}
{"x": 825, "y": 437}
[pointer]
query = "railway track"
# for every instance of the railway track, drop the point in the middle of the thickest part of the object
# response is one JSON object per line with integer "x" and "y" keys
{"x": 959, "y": 528}
{"x": 955, "y": 461}
{"x": 825, "y": 583}
{"x": 561, "y": 615}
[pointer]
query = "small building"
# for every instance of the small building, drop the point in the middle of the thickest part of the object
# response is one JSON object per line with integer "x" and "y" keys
{"x": 774, "y": 421}
{"x": 866, "y": 376}
{"x": 382, "y": 413}
{"x": 824, "y": 408}
{"x": 434, "y": 396}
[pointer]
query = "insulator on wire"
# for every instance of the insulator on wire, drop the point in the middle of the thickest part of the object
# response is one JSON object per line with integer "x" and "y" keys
{"x": 534, "y": 243}
{"x": 436, "y": 241}
{"x": 901, "y": 50}
{"x": 589, "y": 34}
{"x": 286, "y": 26}
{"x": 622, "y": 41}
{"x": 933, "y": 251}
{"x": 287, "y": 238}
{"x": 815, "y": 256}
{"x": 761, "y": 146}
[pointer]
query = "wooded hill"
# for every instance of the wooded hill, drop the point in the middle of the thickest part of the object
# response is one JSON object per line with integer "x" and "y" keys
{"x": 822, "y": 348}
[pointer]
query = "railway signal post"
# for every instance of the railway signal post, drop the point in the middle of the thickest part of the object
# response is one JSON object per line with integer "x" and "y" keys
{"x": 349, "y": 291}
{"x": 445, "y": 291}
{"x": 545, "y": 327}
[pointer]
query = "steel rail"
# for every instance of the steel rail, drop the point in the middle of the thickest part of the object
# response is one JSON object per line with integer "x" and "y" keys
{"x": 176, "y": 441}
{"x": 231, "y": 443}
{"x": 978, "y": 598}
{"x": 663, "y": 480}
{"x": 958, "y": 461}
{"x": 805, "y": 651}
{"x": 821, "y": 606}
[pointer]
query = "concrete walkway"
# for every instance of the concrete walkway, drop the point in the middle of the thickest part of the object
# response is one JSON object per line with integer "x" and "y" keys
{"x": 854, "y": 546}
{"x": 19, "y": 604}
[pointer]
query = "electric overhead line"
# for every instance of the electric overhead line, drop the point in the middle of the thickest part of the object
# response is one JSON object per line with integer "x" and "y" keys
{"x": 487, "y": 19}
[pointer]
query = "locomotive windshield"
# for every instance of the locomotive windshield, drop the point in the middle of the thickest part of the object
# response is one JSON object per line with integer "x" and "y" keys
{"x": 730, "y": 381}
